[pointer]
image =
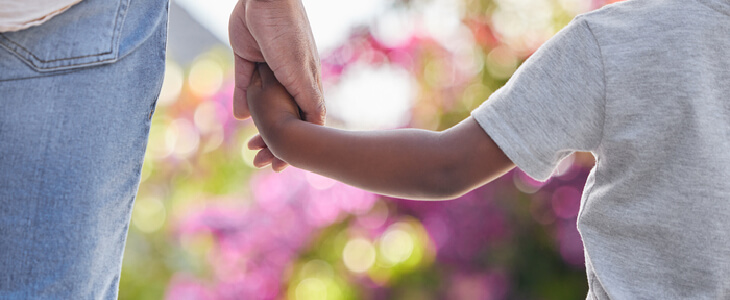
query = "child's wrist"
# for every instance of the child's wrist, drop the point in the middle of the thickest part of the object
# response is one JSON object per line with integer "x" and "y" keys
{"x": 275, "y": 128}
{"x": 285, "y": 121}
{"x": 277, "y": 134}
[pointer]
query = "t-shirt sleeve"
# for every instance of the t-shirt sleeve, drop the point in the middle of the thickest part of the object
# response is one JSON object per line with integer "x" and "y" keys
{"x": 552, "y": 106}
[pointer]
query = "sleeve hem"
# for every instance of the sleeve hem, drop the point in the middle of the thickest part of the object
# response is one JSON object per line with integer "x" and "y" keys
{"x": 512, "y": 145}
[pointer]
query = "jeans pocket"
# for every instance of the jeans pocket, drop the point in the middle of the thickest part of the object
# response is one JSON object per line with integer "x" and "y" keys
{"x": 63, "y": 42}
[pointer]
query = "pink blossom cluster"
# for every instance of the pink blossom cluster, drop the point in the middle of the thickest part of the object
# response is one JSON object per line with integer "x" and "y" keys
{"x": 254, "y": 245}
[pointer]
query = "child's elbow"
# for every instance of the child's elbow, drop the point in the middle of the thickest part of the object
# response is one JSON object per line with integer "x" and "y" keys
{"x": 445, "y": 185}
{"x": 450, "y": 181}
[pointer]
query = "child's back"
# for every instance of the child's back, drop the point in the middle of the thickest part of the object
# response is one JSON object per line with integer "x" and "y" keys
{"x": 645, "y": 86}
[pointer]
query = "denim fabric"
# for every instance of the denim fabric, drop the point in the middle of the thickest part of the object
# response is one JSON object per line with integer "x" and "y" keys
{"x": 76, "y": 97}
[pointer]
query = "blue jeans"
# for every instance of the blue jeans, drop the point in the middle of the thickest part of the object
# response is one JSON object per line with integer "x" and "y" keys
{"x": 76, "y": 97}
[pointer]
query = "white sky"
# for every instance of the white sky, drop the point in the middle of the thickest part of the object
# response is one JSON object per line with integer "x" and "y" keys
{"x": 330, "y": 19}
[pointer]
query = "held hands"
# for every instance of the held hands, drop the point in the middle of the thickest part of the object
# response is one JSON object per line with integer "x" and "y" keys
{"x": 276, "y": 32}
{"x": 271, "y": 107}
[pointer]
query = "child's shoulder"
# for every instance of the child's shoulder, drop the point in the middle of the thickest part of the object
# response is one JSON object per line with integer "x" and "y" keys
{"x": 639, "y": 10}
{"x": 632, "y": 20}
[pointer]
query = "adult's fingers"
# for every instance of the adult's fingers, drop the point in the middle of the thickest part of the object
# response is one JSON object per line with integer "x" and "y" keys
{"x": 281, "y": 31}
{"x": 243, "y": 72}
{"x": 307, "y": 92}
{"x": 303, "y": 82}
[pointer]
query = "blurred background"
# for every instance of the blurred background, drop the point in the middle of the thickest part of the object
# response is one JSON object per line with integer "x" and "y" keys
{"x": 208, "y": 225}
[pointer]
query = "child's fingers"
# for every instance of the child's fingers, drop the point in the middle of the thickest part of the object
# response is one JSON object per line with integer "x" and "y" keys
{"x": 256, "y": 77}
{"x": 256, "y": 143}
{"x": 263, "y": 158}
{"x": 278, "y": 165}
{"x": 267, "y": 75}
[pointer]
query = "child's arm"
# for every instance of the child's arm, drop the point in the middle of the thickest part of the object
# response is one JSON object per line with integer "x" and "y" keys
{"x": 410, "y": 163}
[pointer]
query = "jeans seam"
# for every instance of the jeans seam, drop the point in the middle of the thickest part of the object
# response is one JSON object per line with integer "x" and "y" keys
{"x": 28, "y": 52}
{"x": 30, "y": 58}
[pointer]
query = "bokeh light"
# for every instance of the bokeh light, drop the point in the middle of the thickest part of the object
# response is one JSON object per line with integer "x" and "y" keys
{"x": 397, "y": 244}
{"x": 206, "y": 77}
{"x": 148, "y": 214}
{"x": 311, "y": 289}
{"x": 208, "y": 225}
{"x": 501, "y": 62}
{"x": 172, "y": 85}
{"x": 359, "y": 105}
{"x": 181, "y": 138}
{"x": 358, "y": 255}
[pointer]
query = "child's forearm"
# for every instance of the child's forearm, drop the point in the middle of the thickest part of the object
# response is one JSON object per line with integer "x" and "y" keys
{"x": 409, "y": 163}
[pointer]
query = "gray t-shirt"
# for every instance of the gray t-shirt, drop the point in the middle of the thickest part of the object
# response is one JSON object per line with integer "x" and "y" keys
{"x": 645, "y": 86}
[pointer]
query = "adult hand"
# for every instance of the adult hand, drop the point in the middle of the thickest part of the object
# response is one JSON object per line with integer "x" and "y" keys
{"x": 276, "y": 32}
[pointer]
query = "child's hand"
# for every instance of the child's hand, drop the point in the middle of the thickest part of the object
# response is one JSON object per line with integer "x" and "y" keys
{"x": 264, "y": 157}
{"x": 411, "y": 163}
{"x": 271, "y": 106}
